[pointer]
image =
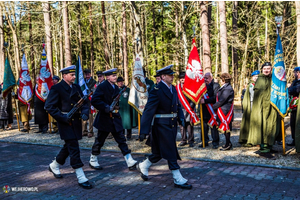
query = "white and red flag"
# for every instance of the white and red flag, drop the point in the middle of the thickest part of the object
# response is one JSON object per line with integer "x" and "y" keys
{"x": 45, "y": 78}
{"x": 25, "y": 92}
{"x": 194, "y": 86}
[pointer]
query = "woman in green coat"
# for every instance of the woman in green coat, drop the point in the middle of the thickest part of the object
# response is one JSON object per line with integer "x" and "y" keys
{"x": 129, "y": 118}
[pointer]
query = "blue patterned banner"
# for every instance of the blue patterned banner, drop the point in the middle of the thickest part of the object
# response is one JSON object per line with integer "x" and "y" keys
{"x": 279, "y": 91}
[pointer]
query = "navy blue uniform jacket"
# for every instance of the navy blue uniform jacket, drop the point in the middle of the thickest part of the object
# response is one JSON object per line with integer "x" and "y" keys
{"x": 103, "y": 97}
{"x": 62, "y": 98}
{"x": 164, "y": 130}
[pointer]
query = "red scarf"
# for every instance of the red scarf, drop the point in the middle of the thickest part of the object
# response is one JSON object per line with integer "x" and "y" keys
{"x": 225, "y": 120}
{"x": 212, "y": 122}
{"x": 186, "y": 105}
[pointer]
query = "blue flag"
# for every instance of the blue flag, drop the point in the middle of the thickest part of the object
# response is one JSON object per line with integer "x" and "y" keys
{"x": 9, "y": 80}
{"x": 279, "y": 91}
{"x": 79, "y": 78}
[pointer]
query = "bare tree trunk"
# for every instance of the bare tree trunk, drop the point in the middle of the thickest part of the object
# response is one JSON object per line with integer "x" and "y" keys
{"x": 266, "y": 37}
{"x": 298, "y": 31}
{"x": 31, "y": 55}
{"x": 91, "y": 39}
{"x": 162, "y": 37}
{"x": 137, "y": 31}
{"x": 61, "y": 51}
{"x": 217, "y": 45}
{"x": 79, "y": 30}
{"x": 205, "y": 36}
{"x": 223, "y": 36}
{"x": 243, "y": 71}
{"x": 68, "y": 57}
{"x": 125, "y": 56}
{"x": 234, "y": 50}
{"x": 47, "y": 20}
{"x": 2, "y": 50}
{"x": 154, "y": 34}
{"x": 177, "y": 37}
{"x": 16, "y": 46}
{"x": 105, "y": 38}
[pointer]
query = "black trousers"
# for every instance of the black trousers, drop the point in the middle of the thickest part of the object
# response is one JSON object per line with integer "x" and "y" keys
{"x": 129, "y": 133}
{"x": 214, "y": 133}
{"x": 173, "y": 165}
{"x": 70, "y": 148}
{"x": 190, "y": 129}
{"x": 43, "y": 127}
{"x": 119, "y": 137}
{"x": 293, "y": 123}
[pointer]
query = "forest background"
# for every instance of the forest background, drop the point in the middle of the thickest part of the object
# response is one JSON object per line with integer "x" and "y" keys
{"x": 233, "y": 36}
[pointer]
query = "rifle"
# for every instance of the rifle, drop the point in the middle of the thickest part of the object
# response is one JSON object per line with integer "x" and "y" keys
{"x": 78, "y": 105}
{"x": 116, "y": 100}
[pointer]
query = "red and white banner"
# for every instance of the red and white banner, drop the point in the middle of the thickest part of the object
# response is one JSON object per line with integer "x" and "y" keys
{"x": 194, "y": 86}
{"x": 186, "y": 105}
{"x": 225, "y": 120}
{"x": 213, "y": 121}
{"x": 25, "y": 92}
{"x": 45, "y": 78}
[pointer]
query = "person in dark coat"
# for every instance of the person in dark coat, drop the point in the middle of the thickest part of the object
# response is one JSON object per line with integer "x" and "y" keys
{"x": 212, "y": 89}
{"x": 163, "y": 110}
{"x": 188, "y": 128}
{"x": 108, "y": 120}
{"x": 294, "y": 94}
{"x": 91, "y": 83}
{"x": 6, "y": 111}
{"x": 55, "y": 80}
{"x": 101, "y": 77}
{"x": 149, "y": 83}
{"x": 158, "y": 79}
{"x": 126, "y": 111}
{"x": 225, "y": 98}
{"x": 61, "y": 99}
{"x": 40, "y": 114}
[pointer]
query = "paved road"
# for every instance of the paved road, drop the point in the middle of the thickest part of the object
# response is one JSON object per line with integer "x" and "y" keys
{"x": 23, "y": 165}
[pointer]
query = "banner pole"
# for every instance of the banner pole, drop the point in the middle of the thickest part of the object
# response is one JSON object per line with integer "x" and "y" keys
{"x": 283, "y": 135}
{"x": 202, "y": 128}
{"x": 139, "y": 123}
{"x": 17, "y": 113}
{"x": 28, "y": 115}
{"x": 49, "y": 118}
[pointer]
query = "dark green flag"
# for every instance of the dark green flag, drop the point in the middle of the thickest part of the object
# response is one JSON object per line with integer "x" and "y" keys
{"x": 9, "y": 80}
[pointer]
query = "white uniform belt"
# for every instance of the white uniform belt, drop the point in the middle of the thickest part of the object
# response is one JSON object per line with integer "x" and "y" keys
{"x": 64, "y": 112}
{"x": 163, "y": 116}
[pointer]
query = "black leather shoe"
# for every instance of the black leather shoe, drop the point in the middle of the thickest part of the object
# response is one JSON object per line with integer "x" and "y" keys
{"x": 85, "y": 185}
{"x": 215, "y": 147}
{"x": 143, "y": 176}
{"x": 133, "y": 167}
{"x": 55, "y": 175}
{"x": 229, "y": 147}
{"x": 96, "y": 168}
{"x": 191, "y": 145}
{"x": 24, "y": 130}
{"x": 39, "y": 131}
{"x": 201, "y": 145}
{"x": 44, "y": 132}
{"x": 182, "y": 144}
{"x": 183, "y": 186}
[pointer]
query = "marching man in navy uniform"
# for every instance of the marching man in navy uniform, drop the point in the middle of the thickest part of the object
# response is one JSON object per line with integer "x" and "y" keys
{"x": 61, "y": 99}
{"x": 108, "y": 120}
{"x": 163, "y": 111}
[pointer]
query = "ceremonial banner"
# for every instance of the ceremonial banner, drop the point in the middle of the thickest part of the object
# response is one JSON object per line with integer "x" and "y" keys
{"x": 279, "y": 91}
{"x": 80, "y": 78}
{"x": 9, "y": 80}
{"x": 45, "y": 78}
{"x": 194, "y": 86}
{"x": 186, "y": 105}
{"x": 25, "y": 91}
{"x": 138, "y": 96}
